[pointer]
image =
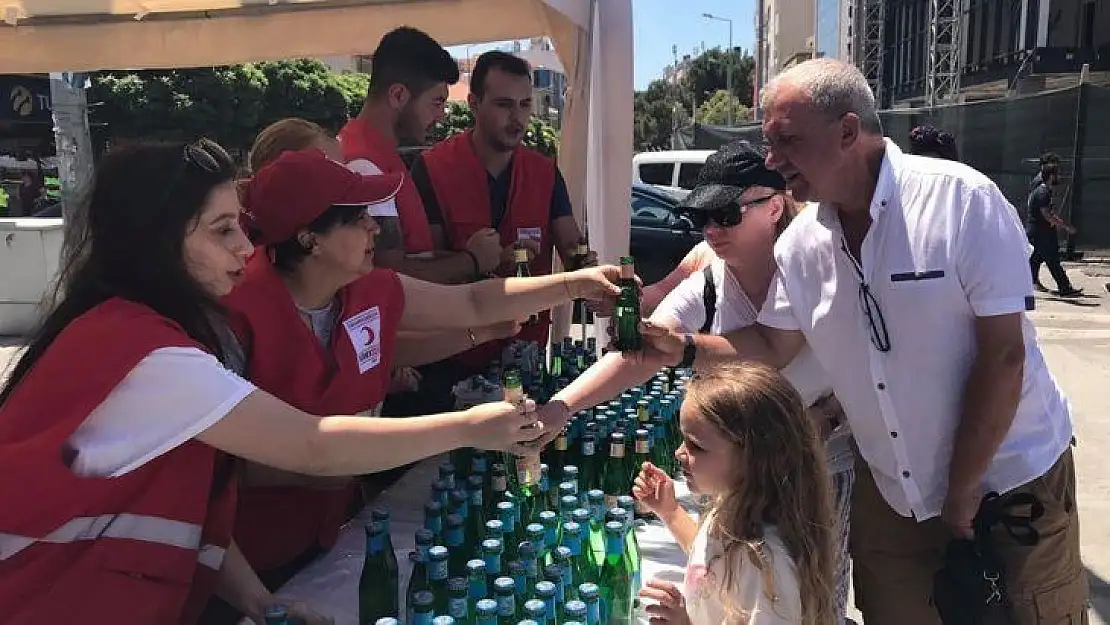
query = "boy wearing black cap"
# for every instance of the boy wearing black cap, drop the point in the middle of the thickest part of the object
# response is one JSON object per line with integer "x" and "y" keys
{"x": 1042, "y": 224}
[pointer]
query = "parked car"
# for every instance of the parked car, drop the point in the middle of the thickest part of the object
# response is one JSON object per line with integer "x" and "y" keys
{"x": 669, "y": 169}
{"x": 660, "y": 237}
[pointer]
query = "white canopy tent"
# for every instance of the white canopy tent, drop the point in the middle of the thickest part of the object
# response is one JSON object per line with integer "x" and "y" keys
{"x": 593, "y": 39}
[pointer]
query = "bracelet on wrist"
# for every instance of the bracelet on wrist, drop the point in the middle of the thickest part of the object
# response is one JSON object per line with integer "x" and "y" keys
{"x": 474, "y": 262}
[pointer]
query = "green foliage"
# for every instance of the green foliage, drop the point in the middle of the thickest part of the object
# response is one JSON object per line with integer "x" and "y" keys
{"x": 539, "y": 135}
{"x": 230, "y": 104}
{"x": 706, "y": 76}
{"x": 716, "y": 109}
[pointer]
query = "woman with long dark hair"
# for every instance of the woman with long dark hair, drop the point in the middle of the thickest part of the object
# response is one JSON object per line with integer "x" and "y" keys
{"x": 119, "y": 422}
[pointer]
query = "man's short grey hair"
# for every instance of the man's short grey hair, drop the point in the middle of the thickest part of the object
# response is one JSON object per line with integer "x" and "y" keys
{"x": 835, "y": 88}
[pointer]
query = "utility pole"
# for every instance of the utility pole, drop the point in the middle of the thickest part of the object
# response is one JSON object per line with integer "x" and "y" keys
{"x": 677, "y": 99}
{"x": 728, "y": 61}
{"x": 760, "y": 61}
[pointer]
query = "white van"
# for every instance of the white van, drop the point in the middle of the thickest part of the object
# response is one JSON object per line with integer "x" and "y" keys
{"x": 672, "y": 169}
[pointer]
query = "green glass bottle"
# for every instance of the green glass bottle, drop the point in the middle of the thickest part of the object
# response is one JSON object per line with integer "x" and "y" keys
{"x": 458, "y": 503}
{"x": 556, "y": 453}
{"x": 506, "y": 514}
{"x": 276, "y": 615}
{"x": 504, "y": 589}
{"x": 596, "y": 542}
{"x": 626, "y": 314}
{"x": 534, "y": 533}
{"x": 454, "y": 538}
{"x": 422, "y": 608}
{"x": 485, "y": 612}
{"x": 476, "y": 574}
{"x": 535, "y": 611}
{"x": 616, "y": 578}
{"x": 382, "y": 516}
{"x": 418, "y": 580}
{"x": 563, "y": 558}
{"x": 588, "y": 469}
{"x": 554, "y": 573}
{"x": 515, "y": 569}
{"x": 641, "y": 453}
{"x": 570, "y": 476}
{"x": 574, "y": 611}
{"x": 545, "y": 591}
{"x": 439, "y": 493}
{"x": 458, "y": 600}
{"x": 550, "y": 522}
{"x": 632, "y": 544}
{"x": 591, "y": 596}
{"x": 377, "y": 591}
{"x": 615, "y": 481}
{"x": 588, "y": 564}
{"x": 443, "y": 619}
{"x": 437, "y": 577}
{"x": 522, "y": 268}
{"x": 567, "y": 505}
{"x": 475, "y": 513}
{"x": 529, "y": 557}
{"x": 527, "y": 466}
{"x": 433, "y": 518}
{"x": 491, "y": 553}
{"x": 385, "y": 620}
{"x": 499, "y": 489}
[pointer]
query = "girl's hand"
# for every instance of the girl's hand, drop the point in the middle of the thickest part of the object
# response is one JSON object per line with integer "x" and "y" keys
{"x": 669, "y": 607}
{"x": 501, "y": 426}
{"x": 655, "y": 489}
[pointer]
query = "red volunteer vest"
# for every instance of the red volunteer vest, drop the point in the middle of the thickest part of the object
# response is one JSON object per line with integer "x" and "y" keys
{"x": 361, "y": 141}
{"x": 461, "y": 185}
{"x": 137, "y": 549}
{"x": 275, "y": 524}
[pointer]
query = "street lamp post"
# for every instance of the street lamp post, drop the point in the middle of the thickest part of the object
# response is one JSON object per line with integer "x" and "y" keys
{"x": 728, "y": 60}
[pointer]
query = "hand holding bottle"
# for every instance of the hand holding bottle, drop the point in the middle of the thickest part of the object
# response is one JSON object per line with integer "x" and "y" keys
{"x": 655, "y": 489}
{"x": 502, "y": 426}
{"x": 297, "y": 613}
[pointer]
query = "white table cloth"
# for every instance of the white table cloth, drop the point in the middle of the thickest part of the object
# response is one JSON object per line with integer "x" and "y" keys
{"x": 330, "y": 584}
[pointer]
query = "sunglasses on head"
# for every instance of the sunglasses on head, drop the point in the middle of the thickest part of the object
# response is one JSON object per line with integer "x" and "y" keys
{"x": 203, "y": 155}
{"x": 727, "y": 216}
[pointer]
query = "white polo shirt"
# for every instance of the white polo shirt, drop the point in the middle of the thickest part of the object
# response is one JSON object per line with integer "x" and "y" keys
{"x": 944, "y": 247}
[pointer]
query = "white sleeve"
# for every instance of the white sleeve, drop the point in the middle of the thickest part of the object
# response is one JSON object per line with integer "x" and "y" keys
{"x": 992, "y": 254}
{"x": 173, "y": 394}
{"x": 684, "y": 305}
{"x": 364, "y": 167}
{"x": 777, "y": 312}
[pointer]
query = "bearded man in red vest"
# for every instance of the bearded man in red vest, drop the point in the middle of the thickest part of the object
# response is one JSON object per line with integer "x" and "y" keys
{"x": 410, "y": 73}
{"x": 485, "y": 178}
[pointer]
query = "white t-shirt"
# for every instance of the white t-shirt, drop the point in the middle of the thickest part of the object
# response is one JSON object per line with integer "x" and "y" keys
{"x": 685, "y": 306}
{"x": 173, "y": 394}
{"x": 750, "y": 598}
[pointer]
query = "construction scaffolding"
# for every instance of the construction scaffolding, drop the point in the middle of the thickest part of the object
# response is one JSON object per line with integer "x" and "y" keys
{"x": 874, "y": 27}
{"x": 943, "y": 62}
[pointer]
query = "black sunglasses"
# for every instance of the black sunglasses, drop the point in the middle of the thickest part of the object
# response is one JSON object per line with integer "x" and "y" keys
{"x": 205, "y": 155}
{"x": 727, "y": 216}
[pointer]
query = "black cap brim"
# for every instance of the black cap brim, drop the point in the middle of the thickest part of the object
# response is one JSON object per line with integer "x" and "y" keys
{"x": 709, "y": 197}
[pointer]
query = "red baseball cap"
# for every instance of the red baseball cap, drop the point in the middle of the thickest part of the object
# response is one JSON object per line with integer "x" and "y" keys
{"x": 296, "y": 188}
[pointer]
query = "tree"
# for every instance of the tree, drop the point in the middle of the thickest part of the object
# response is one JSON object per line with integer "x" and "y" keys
{"x": 716, "y": 109}
{"x": 230, "y": 104}
{"x": 708, "y": 74}
{"x": 539, "y": 135}
{"x": 654, "y": 111}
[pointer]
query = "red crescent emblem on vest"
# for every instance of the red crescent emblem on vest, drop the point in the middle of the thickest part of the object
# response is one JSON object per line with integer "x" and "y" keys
{"x": 369, "y": 331}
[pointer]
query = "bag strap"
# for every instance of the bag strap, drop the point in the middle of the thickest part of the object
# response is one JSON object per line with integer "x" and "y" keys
{"x": 709, "y": 298}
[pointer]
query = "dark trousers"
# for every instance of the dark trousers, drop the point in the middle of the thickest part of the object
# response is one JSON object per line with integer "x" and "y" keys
{"x": 1046, "y": 249}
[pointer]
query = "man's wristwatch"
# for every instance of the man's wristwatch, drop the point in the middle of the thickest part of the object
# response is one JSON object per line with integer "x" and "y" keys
{"x": 689, "y": 351}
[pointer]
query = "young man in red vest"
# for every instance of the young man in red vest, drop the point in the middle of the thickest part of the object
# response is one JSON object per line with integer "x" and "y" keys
{"x": 410, "y": 73}
{"x": 485, "y": 178}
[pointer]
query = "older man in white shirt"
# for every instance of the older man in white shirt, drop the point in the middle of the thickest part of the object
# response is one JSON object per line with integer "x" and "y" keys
{"x": 909, "y": 283}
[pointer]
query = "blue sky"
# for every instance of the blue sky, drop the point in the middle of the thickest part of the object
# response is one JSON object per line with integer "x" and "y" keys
{"x": 661, "y": 24}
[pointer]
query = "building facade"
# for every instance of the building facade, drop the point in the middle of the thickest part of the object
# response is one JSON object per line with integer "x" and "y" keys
{"x": 788, "y": 36}
{"x": 835, "y": 30}
{"x": 1003, "y": 45}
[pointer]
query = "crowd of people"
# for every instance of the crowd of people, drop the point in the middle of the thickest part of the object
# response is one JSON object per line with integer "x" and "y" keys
{"x": 186, "y": 429}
